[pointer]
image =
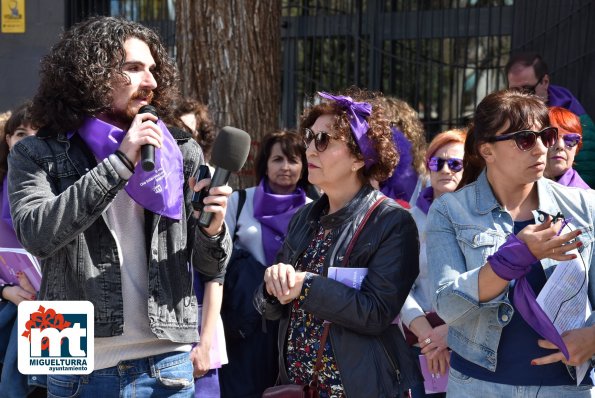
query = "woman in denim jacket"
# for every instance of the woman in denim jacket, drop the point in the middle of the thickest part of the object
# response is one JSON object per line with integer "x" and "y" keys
{"x": 495, "y": 244}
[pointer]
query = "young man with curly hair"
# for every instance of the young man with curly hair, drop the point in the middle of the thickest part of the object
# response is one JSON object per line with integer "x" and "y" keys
{"x": 106, "y": 230}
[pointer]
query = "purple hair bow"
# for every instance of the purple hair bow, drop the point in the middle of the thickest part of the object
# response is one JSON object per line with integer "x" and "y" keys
{"x": 357, "y": 113}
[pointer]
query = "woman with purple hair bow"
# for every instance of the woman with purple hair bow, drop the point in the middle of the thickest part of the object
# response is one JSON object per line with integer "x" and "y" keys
{"x": 349, "y": 142}
{"x": 495, "y": 244}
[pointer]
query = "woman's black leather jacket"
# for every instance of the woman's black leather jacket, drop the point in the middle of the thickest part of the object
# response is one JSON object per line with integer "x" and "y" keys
{"x": 371, "y": 353}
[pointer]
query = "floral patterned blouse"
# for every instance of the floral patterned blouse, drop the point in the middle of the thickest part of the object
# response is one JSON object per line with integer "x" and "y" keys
{"x": 305, "y": 330}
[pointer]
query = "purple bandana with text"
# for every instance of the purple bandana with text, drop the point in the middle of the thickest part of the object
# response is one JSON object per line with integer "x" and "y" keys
{"x": 161, "y": 190}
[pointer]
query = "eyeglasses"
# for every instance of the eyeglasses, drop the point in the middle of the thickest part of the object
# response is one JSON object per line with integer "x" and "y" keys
{"x": 571, "y": 140}
{"x": 436, "y": 164}
{"x": 531, "y": 89}
{"x": 526, "y": 139}
{"x": 321, "y": 139}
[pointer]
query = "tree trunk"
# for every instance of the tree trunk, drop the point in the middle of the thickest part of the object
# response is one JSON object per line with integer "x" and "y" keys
{"x": 228, "y": 55}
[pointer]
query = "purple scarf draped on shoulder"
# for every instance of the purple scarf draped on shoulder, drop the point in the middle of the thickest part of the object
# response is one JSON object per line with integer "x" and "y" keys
{"x": 404, "y": 179}
{"x": 274, "y": 213}
{"x": 8, "y": 237}
{"x": 161, "y": 190}
{"x": 560, "y": 96}
{"x": 572, "y": 179}
{"x": 425, "y": 199}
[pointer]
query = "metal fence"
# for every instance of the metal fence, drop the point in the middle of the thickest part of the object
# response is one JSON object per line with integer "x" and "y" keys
{"x": 441, "y": 56}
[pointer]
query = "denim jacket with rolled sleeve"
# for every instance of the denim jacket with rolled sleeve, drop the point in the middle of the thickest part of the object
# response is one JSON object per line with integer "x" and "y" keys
{"x": 467, "y": 226}
{"x": 58, "y": 193}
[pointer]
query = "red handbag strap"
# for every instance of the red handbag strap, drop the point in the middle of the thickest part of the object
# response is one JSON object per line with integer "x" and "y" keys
{"x": 360, "y": 227}
{"x": 318, "y": 365}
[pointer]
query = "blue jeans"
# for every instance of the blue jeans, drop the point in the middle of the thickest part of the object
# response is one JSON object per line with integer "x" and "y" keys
{"x": 462, "y": 386}
{"x": 165, "y": 375}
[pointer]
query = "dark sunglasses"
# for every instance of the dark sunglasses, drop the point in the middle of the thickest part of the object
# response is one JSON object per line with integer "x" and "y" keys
{"x": 571, "y": 140}
{"x": 436, "y": 164}
{"x": 531, "y": 89}
{"x": 321, "y": 139}
{"x": 526, "y": 139}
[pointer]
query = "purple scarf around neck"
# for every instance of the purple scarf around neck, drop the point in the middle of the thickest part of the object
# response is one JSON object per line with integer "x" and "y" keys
{"x": 161, "y": 190}
{"x": 274, "y": 213}
{"x": 572, "y": 179}
{"x": 8, "y": 237}
{"x": 425, "y": 199}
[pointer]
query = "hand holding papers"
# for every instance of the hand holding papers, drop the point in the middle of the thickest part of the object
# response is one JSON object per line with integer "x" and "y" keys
{"x": 13, "y": 261}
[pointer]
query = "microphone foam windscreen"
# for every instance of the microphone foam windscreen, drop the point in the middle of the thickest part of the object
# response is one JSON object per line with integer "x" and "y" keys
{"x": 148, "y": 109}
{"x": 230, "y": 149}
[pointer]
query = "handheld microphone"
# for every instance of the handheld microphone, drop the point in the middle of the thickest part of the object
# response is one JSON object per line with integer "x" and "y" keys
{"x": 230, "y": 151}
{"x": 147, "y": 152}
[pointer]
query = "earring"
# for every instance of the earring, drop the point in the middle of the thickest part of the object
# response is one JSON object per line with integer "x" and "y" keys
{"x": 353, "y": 168}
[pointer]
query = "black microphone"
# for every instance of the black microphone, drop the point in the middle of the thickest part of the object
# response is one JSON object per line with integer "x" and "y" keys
{"x": 147, "y": 152}
{"x": 230, "y": 151}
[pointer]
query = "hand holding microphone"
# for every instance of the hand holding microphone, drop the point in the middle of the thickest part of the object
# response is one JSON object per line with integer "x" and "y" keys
{"x": 230, "y": 151}
{"x": 144, "y": 133}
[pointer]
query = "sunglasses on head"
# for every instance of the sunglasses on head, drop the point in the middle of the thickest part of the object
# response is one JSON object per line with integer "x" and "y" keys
{"x": 526, "y": 139}
{"x": 571, "y": 140}
{"x": 436, "y": 164}
{"x": 321, "y": 139}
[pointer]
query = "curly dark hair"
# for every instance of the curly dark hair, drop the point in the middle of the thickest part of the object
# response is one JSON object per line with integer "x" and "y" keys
{"x": 379, "y": 132}
{"x": 205, "y": 128}
{"x": 292, "y": 146}
{"x": 19, "y": 117}
{"x": 78, "y": 75}
{"x": 513, "y": 108}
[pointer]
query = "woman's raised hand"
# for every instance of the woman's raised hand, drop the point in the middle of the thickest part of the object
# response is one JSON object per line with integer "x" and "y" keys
{"x": 544, "y": 241}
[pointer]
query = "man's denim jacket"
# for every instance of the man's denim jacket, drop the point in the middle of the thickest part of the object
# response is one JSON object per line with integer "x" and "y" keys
{"x": 467, "y": 226}
{"x": 58, "y": 194}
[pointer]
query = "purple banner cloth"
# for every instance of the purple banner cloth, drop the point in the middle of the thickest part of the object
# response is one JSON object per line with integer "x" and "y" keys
{"x": 513, "y": 260}
{"x": 357, "y": 113}
{"x": 160, "y": 190}
{"x": 572, "y": 179}
{"x": 560, "y": 96}
{"x": 425, "y": 199}
{"x": 274, "y": 213}
{"x": 404, "y": 179}
{"x": 8, "y": 237}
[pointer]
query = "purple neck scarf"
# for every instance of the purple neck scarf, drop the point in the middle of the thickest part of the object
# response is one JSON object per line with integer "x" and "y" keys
{"x": 425, "y": 199}
{"x": 357, "y": 113}
{"x": 404, "y": 179}
{"x": 513, "y": 260}
{"x": 572, "y": 179}
{"x": 8, "y": 237}
{"x": 160, "y": 190}
{"x": 559, "y": 96}
{"x": 274, "y": 213}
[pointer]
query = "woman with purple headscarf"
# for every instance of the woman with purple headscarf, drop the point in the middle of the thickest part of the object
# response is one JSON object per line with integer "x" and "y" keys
{"x": 353, "y": 234}
{"x": 260, "y": 229}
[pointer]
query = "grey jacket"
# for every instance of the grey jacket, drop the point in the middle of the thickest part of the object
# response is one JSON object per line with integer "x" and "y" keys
{"x": 58, "y": 193}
